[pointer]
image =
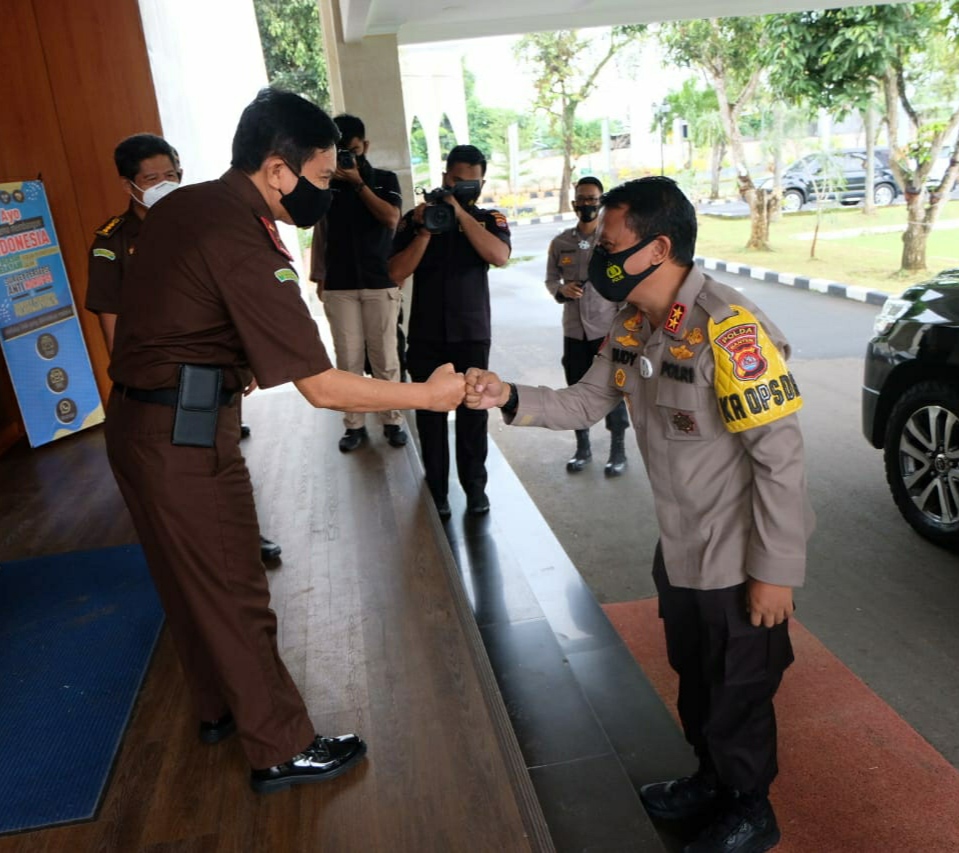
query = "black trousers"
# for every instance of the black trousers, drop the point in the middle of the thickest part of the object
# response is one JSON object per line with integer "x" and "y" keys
{"x": 577, "y": 359}
{"x": 729, "y": 672}
{"x": 422, "y": 358}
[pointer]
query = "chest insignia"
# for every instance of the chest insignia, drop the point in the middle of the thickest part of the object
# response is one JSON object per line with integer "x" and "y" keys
{"x": 275, "y": 237}
{"x": 286, "y": 274}
{"x": 675, "y": 318}
{"x": 104, "y": 253}
{"x": 584, "y": 244}
{"x": 566, "y": 260}
{"x": 681, "y": 353}
{"x": 634, "y": 322}
{"x": 620, "y": 378}
{"x": 645, "y": 367}
{"x": 694, "y": 337}
{"x": 627, "y": 340}
{"x": 684, "y": 422}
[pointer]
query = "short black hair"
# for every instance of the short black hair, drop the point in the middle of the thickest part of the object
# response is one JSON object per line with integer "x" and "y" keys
{"x": 589, "y": 179}
{"x": 133, "y": 150}
{"x": 656, "y": 205}
{"x": 350, "y": 127}
{"x": 468, "y": 154}
{"x": 282, "y": 124}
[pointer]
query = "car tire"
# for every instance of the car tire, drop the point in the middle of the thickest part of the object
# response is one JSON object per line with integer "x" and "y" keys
{"x": 792, "y": 201}
{"x": 921, "y": 455}
{"x": 884, "y": 194}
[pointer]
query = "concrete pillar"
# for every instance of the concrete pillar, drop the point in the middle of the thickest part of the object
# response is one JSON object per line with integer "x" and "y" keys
{"x": 365, "y": 81}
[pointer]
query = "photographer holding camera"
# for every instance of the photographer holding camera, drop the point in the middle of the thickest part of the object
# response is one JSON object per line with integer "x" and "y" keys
{"x": 447, "y": 244}
{"x": 351, "y": 246}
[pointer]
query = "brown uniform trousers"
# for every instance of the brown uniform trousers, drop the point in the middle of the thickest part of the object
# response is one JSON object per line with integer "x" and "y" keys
{"x": 193, "y": 511}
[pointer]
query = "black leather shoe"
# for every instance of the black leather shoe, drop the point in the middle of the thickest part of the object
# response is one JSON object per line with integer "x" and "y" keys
{"x": 739, "y": 829}
{"x": 213, "y": 731}
{"x": 269, "y": 551}
{"x": 679, "y": 799}
{"x": 583, "y": 452}
{"x": 443, "y": 508}
{"x": 617, "y": 455}
{"x": 325, "y": 758}
{"x": 477, "y": 504}
{"x": 245, "y": 431}
{"x": 353, "y": 439}
{"x": 395, "y": 435}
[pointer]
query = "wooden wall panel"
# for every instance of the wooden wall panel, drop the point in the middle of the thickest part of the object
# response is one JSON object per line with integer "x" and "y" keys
{"x": 76, "y": 81}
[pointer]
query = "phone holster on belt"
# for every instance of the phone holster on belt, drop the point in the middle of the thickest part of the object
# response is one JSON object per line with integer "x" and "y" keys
{"x": 197, "y": 404}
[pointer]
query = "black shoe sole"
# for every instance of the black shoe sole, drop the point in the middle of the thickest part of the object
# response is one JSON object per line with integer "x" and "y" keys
{"x": 271, "y": 786}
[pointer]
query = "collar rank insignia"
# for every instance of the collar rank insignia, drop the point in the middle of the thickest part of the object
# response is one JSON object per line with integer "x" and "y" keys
{"x": 681, "y": 352}
{"x": 675, "y": 318}
{"x": 684, "y": 422}
{"x": 275, "y": 237}
{"x": 694, "y": 337}
{"x": 627, "y": 340}
{"x": 634, "y": 322}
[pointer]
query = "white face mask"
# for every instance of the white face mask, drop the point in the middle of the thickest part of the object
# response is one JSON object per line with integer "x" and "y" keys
{"x": 151, "y": 195}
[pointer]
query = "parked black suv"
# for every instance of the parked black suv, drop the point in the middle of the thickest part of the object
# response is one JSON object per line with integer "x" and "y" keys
{"x": 840, "y": 175}
{"x": 910, "y": 403}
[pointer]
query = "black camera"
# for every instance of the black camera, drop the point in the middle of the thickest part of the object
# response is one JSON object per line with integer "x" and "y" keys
{"x": 439, "y": 217}
{"x": 345, "y": 159}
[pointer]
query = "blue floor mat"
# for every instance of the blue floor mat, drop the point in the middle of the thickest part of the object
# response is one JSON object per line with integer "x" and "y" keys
{"x": 77, "y": 632}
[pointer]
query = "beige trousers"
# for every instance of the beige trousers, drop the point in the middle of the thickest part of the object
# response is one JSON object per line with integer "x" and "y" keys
{"x": 363, "y": 323}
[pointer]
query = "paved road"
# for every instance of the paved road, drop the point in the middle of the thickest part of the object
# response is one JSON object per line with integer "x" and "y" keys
{"x": 880, "y": 597}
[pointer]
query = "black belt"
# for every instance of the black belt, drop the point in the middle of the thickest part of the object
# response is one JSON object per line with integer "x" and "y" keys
{"x": 163, "y": 396}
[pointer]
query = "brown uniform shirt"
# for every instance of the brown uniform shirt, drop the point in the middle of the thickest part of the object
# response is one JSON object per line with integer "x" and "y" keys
{"x": 111, "y": 254}
{"x": 589, "y": 317}
{"x": 212, "y": 283}
{"x": 730, "y": 505}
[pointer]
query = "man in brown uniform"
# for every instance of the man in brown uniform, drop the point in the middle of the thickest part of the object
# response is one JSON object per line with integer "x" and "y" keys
{"x": 586, "y": 318}
{"x": 149, "y": 169}
{"x": 210, "y": 302}
{"x": 714, "y": 408}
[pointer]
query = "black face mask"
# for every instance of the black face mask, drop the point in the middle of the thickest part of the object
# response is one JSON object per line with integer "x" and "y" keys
{"x": 607, "y": 275}
{"x": 307, "y": 204}
{"x": 586, "y": 212}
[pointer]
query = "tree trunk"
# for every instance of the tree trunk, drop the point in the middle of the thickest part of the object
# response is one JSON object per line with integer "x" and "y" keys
{"x": 869, "y": 199}
{"x": 917, "y": 232}
{"x": 569, "y": 126}
{"x": 719, "y": 150}
{"x": 762, "y": 206}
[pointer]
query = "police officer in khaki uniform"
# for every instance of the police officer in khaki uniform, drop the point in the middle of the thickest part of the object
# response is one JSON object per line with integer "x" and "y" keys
{"x": 715, "y": 412}
{"x": 149, "y": 169}
{"x": 199, "y": 313}
{"x": 586, "y": 318}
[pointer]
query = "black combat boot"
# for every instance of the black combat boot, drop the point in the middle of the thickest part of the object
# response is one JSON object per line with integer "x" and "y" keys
{"x": 583, "y": 453}
{"x": 617, "y": 454}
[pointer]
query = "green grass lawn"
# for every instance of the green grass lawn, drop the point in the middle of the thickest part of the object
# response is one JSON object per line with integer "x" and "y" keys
{"x": 869, "y": 260}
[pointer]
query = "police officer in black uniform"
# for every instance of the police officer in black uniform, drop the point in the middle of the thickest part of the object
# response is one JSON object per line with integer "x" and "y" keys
{"x": 450, "y": 316}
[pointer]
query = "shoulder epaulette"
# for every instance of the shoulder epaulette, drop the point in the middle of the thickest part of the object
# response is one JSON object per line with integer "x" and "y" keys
{"x": 110, "y": 226}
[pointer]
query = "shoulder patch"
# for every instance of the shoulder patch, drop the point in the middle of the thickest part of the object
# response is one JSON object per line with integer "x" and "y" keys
{"x": 274, "y": 235}
{"x": 753, "y": 385}
{"x": 104, "y": 253}
{"x": 500, "y": 221}
{"x": 110, "y": 226}
{"x": 286, "y": 274}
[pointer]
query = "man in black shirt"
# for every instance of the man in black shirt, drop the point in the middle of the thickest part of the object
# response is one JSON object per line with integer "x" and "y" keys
{"x": 351, "y": 246}
{"x": 450, "y": 316}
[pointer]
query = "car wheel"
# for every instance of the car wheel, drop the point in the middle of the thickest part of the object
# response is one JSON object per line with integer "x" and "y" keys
{"x": 884, "y": 194}
{"x": 792, "y": 201}
{"x": 922, "y": 460}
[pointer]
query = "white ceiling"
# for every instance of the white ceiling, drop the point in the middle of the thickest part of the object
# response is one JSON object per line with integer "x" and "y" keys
{"x": 416, "y": 21}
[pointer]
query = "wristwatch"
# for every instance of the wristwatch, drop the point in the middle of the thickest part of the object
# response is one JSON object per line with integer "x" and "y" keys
{"x": 512, "y": 403}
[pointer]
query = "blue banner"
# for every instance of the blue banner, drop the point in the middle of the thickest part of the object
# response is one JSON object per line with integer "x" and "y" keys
{"x": 39, "y": 330}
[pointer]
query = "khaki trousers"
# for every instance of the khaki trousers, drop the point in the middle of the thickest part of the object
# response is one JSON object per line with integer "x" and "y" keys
{"x": 363, "y": 324}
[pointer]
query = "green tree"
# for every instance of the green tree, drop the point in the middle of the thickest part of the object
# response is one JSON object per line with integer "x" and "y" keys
{"x": 566, "y": 67}
{"x": 905, "y": 53}
{"x": 489, "y": 125}
{"x": 293, "y": 47}
{"x": 726, "y": 51}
